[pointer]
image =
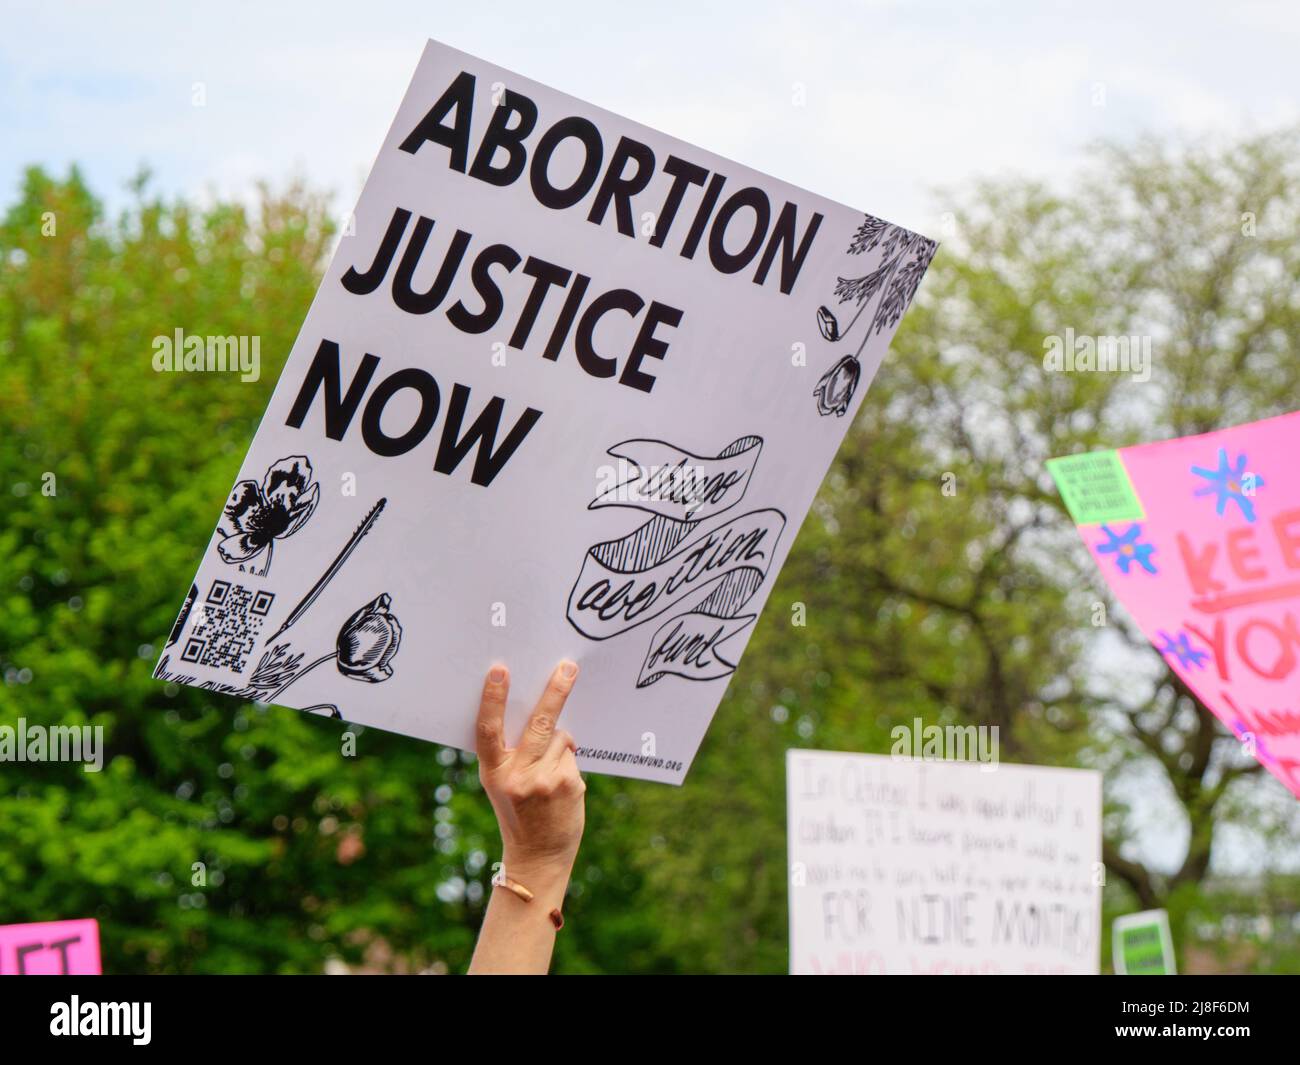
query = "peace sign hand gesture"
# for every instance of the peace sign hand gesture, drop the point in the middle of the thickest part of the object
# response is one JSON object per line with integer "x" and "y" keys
{"x": 535, "y": 788}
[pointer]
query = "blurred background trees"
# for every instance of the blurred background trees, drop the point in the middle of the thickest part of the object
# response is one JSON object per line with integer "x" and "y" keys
{"x": 937, "y": 577}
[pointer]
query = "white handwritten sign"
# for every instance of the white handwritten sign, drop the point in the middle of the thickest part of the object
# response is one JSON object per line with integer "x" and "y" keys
{"x": 909, "y": 866}
{"x": 568, "y": 388}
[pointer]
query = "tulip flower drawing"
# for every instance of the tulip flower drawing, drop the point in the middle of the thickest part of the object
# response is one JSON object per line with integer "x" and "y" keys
{"x": 364, "y": 649}
{"x": 827, "y": 323}
{"x": 905, "y": 256}
{"x": 837, "y": 386}
{"x": 368, "y": 641}
{"x": 273, "y": 510}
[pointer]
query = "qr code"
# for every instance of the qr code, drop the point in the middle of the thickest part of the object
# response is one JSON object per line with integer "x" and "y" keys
{"x": 226, "y": 632}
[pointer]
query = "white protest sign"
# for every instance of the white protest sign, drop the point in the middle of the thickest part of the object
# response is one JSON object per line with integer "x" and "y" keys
{"x": 567, "y": 390}
{"x": 905, "y": 866}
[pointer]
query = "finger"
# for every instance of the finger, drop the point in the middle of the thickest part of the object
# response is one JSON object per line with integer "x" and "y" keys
{"x": 490, "y": 729}
{"x": 568, "y": 768}
{"x": 541, "y": 725}
{"x": 561, "y": 741}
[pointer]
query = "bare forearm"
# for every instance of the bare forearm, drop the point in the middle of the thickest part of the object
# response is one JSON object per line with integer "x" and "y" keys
{"x": 518, "y": 937}
{"x": 537, "y": 795}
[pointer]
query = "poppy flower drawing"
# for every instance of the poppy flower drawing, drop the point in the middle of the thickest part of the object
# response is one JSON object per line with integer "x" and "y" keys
{"x": 364, "y": 649}
{"x": 273, "y": 510}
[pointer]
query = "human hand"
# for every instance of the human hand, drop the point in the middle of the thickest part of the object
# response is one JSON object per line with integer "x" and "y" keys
{"x": 535, "y": 788}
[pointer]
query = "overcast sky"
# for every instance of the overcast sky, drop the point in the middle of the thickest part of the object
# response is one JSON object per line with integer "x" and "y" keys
{"x": 898, "y": 97}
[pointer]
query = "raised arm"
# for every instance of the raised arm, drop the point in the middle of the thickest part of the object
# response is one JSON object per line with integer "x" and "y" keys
{"x": 538, "y": 795}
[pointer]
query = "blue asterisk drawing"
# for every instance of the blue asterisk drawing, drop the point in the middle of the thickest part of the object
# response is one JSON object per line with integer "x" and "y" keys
{"x": 1182, "y": 649}
{"x": 1127, "y": 547}
{"x": 1228, "y": 483}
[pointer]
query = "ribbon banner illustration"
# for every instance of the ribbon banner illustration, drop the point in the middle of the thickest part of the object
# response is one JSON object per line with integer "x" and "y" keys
{"x": 681, "y": 562}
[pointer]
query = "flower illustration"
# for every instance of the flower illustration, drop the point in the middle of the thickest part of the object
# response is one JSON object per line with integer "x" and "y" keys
{"x": 279, "y": 507}
{"x": 277, "y": 668}
{"x": 904, "y": 258}
{"x": 1229, "y": 482}
{"x": 368, "y": 641}
{"x": 1127, "y": 548}
{"x": 364, "y": 649}
{"x": 828, "y": 323}
{"x": 1182, "y": 650}
{"x": 836, "y": 388}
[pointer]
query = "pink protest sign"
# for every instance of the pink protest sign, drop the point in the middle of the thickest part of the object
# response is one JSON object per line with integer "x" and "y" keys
{"x": 1200, "y": 540}
{"x": 50, "y": 948}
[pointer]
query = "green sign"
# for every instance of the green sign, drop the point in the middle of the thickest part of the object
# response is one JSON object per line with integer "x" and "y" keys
{"x": 1142, "y": 945}
{"x": 1096, "y": 488}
